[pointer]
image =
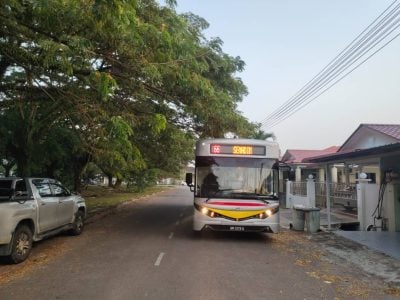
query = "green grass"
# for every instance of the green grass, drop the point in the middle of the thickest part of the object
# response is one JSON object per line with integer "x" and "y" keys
{"x": 102, "y": 198}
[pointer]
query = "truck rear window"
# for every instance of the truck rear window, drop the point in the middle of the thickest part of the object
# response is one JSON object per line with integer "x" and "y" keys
{"x": 5, "y": 189}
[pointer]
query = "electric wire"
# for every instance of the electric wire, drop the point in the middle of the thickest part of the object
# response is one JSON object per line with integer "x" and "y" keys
{"x": 345, "y": 65}
{"x": 334, "y": 83}
{"x": 342, "y": 67}
{"x": 334, "y": 61}
{"x": 358, "y": 48}
{"x": 340, "y": 58}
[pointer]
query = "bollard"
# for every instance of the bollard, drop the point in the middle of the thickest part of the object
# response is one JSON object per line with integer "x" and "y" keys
{"x": 312, "y": 219}
{"x": 298, "y": 218}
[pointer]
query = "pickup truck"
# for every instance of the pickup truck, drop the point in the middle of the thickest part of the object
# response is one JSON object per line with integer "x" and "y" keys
{"x": 32, "y": 209}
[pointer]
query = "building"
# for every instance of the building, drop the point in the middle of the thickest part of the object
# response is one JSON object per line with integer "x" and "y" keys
{"x": 301, "y": 170}
{"x": 372, "y": 149}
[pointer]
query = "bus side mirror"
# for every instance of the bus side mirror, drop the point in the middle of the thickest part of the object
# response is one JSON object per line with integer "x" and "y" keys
{"x": 189, "y": 181}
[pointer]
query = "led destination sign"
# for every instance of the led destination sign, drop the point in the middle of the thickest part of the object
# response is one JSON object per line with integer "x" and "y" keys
{"x": 237, "y": 149}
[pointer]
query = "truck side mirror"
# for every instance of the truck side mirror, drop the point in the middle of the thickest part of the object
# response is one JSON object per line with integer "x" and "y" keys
{"x": 19, "y": 196}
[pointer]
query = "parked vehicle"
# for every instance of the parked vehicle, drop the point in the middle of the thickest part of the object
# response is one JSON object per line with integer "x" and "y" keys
{"x": 32, "y": 209}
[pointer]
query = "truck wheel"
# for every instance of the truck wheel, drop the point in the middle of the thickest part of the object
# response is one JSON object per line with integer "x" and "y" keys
{"x": 77, "y": 226}
{"x": 21, "y": 244}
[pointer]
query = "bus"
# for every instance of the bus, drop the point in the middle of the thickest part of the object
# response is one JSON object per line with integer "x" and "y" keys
{"x": 235, "y": 185}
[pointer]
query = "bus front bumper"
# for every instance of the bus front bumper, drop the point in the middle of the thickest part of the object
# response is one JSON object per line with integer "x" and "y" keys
{"x": 270, "y": 224}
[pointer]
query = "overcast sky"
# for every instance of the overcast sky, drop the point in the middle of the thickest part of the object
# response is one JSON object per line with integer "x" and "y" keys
{"x": 285, "y": 43}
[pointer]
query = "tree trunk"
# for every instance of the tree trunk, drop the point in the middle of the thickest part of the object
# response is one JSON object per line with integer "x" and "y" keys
{"x": 7, "y": 169}
{"x": 77, "y": 182}
{"x": 23, "y": 163}
{"x": 110, "y": 177}
{"x": 118, "y": 183}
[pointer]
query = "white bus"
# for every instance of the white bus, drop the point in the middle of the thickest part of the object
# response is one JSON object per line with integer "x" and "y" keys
{"x": 235, "y": 185}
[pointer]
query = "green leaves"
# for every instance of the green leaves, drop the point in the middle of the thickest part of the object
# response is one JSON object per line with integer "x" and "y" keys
{"x": 104, "y": 83}
{"x": 129, "y": 80}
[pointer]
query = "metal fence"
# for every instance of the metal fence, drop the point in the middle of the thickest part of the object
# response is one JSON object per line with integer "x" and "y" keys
{"x": 298, "y": 188}
{"x": 341, "y": 194}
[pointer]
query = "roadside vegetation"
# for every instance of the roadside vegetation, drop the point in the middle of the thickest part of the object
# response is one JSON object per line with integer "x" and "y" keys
{"x": 100, "y": 198}
{"x": 125, "y": 86}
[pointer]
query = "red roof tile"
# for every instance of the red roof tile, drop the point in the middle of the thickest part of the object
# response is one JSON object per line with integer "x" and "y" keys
{"x": 297, "y": 156}
{"x": 392, "y": 130}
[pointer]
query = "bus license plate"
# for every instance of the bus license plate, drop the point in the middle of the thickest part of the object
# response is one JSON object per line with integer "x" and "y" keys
{"x": 236, "y": 228}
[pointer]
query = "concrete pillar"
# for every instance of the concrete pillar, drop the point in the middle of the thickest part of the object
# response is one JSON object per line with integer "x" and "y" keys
{"x": 334, "y": 174}
{"x": 343, "y": 175}
{"x": 310, "y": 191}
{"x": 328, "y": 197}
{"x": 361, "y": 201}
{"x": 298, "y": 174}
{"x": 347, "y": 173}
{"x": 321, "y": 175}
{"x": 289, "y": 200}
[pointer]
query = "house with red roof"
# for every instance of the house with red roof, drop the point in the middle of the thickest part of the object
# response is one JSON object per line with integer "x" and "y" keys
{"x": 295, "y": 158}
{"x": 366, "y": 136}
{"x": 370, "y": 136}
{"x": 373, "y": 150}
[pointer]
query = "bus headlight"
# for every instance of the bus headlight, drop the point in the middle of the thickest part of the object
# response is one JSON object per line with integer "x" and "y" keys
{"x": 269, "y": 212}
{"x": 207, "y": 212}
{"x": 204, "y": 211}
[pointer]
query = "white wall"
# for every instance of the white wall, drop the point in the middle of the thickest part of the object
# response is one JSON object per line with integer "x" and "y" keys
{"x": 368, "y": 201}
{"x": 367, "y": 138}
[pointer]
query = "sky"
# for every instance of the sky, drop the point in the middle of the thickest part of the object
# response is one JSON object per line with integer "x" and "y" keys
{"x": 285, "y": 43}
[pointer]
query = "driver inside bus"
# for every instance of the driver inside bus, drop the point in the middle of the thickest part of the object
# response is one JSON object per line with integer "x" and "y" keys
{"x": 210, "y": 185}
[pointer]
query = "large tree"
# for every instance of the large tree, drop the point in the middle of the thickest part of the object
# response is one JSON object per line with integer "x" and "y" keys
{"x": 91, "y": 67}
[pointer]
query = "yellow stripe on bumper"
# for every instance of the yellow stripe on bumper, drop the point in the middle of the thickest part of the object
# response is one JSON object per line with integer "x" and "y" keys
{"x": 237, "y": 214}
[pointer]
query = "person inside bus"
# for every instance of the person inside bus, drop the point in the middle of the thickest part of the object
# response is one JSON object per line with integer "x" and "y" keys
{"x": 209, "y": 186}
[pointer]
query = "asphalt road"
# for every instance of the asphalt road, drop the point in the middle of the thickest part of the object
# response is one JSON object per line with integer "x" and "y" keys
{"x": 146, "y": 250}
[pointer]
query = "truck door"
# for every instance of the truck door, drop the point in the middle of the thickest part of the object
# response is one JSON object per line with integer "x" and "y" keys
{"x": 47, "y": 206}
{"x": 65, "y": 210}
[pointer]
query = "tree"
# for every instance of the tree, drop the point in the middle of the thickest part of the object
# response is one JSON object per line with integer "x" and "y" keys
{"x": 100, "y": 72}
{"x": 120, "y": 156}
{"x": 262, "y": 135}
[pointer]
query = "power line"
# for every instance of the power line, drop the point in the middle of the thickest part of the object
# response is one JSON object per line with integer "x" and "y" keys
{"x": 317, "y": 83}
{"x": 348, "y": 73}
{"x": 330, "y": 78}
{"x": 359, "y": 47}
{"x": 288, "y": 102}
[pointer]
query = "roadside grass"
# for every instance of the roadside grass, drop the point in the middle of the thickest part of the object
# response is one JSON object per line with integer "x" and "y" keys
{"x": 99, "y": 198}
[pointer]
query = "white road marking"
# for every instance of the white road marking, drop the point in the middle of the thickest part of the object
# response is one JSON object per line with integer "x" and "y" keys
{"x": 171, "y": 235}
{"x": 159, "y": 258}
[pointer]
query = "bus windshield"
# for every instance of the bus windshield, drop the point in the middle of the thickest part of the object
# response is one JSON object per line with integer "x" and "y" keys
{"x": 236, "y": 177}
